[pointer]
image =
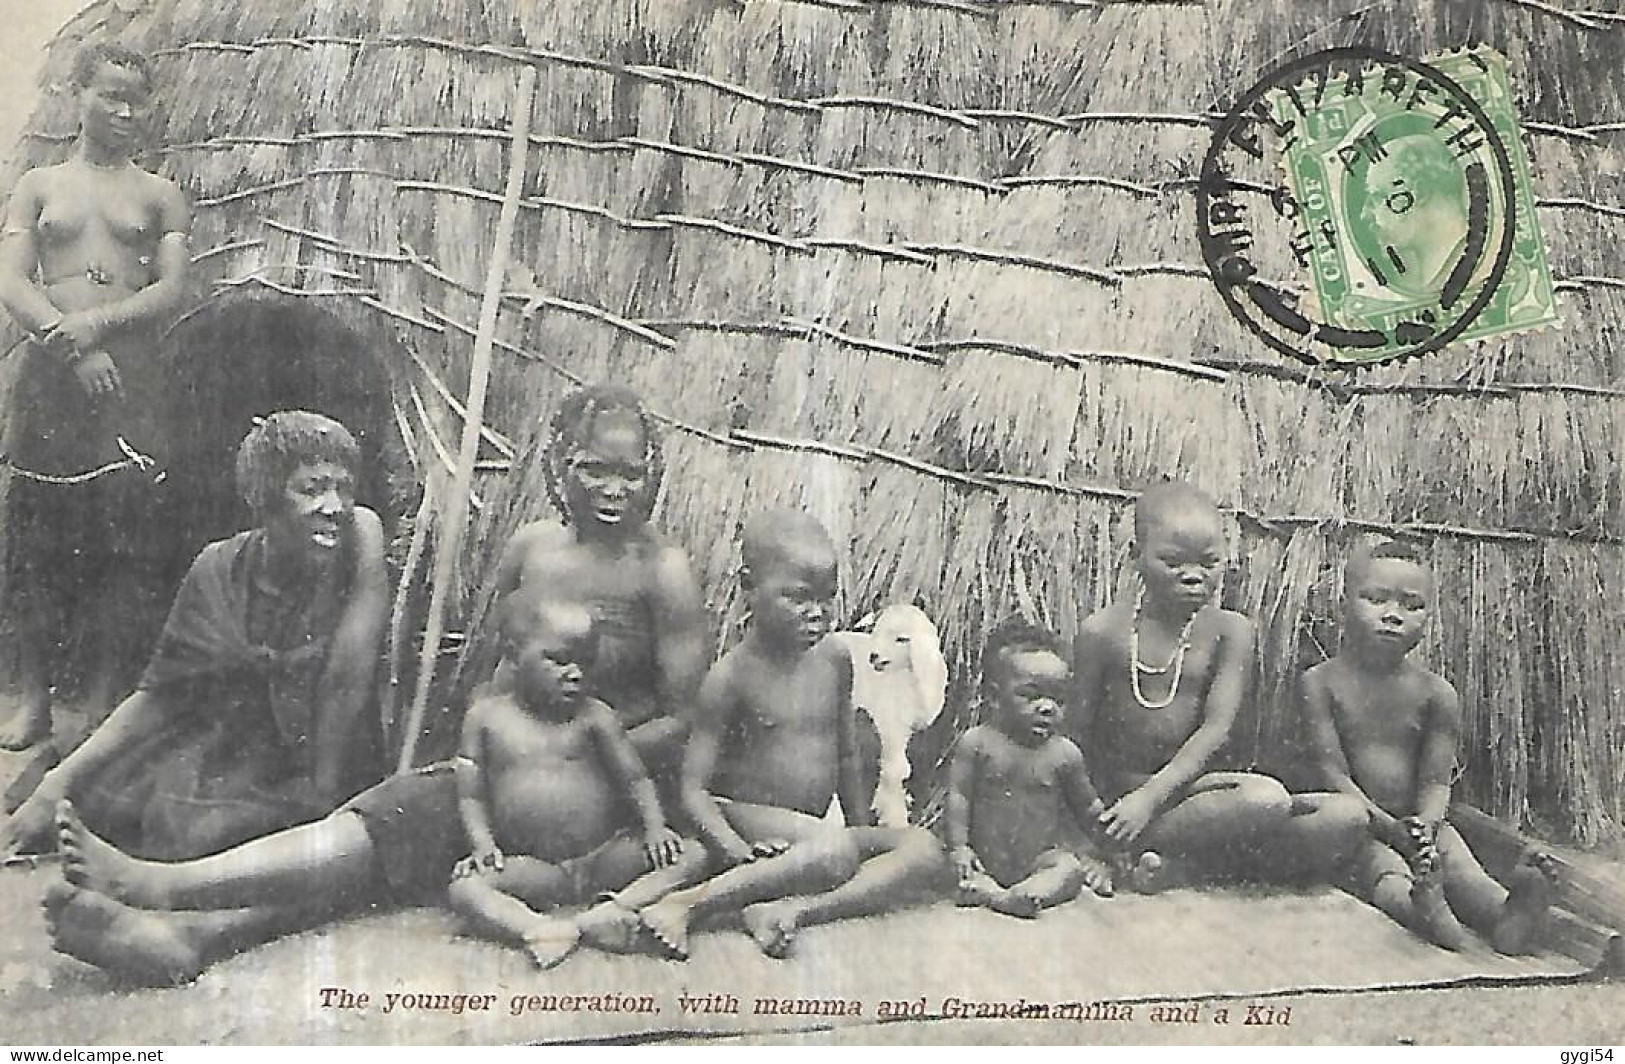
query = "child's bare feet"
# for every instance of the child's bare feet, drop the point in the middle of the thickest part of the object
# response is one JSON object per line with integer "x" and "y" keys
{"x": 91, "y": 862}
{"x": 551, "y": 939}
{"x": 977, "y": 889}
{"x": 668, "y": 922}
{"x": 30, "y": 724}
{"x": 773, "y": 924}
{"x": 611, "y": 927}
{"x": 1434, "y": 920}
{"x": 1150, "y": 874}
{"x": 1016, "y": 903}
{"x": 143, "y": 947}
{"x": 1097, "y": 876}
{"x": 1529, "y": 898}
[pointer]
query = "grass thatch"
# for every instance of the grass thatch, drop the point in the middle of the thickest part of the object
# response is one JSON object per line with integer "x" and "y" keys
{"x": 929, "y": 271}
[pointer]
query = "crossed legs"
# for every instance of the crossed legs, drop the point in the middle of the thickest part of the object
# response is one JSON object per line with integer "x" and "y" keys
{"x": 515, "y": 905}
{"x": 1215, "y": 830}
{"x": 829, "y": 873}
{"x": 1057, "y": 876}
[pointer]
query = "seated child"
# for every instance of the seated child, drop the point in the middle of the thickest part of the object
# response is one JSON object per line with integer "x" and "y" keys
{"x": 771, "y": 746}
{"x": 1157, "y": 684}
{"x": 1385, "y": 731}
{"x": 548, "y": 778}
{"x": 1019, "y": 797}
{"x": 602, "y": 467}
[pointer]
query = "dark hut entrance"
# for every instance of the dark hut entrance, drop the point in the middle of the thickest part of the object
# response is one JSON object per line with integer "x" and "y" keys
{"x": 247, "y": 358}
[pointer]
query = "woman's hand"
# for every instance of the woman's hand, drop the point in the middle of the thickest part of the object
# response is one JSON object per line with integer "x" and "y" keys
{"x": 84, "y": 329}
{"x": 1129, "y": 816}
{"x": 98, "y": 375}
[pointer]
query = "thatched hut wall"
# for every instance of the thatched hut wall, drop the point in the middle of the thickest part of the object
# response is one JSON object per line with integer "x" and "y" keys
{"x": 929, "y": 269}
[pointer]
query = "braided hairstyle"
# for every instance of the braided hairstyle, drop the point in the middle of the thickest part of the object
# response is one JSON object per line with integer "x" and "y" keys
{"x": 571, "y": 431}
{"x": 281, "y": 443}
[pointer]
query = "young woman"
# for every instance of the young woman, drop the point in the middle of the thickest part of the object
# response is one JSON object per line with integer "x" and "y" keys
{"x": 94, "y": 256}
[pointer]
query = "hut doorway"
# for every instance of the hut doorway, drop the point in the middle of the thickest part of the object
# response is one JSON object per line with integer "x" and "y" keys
{"x": 247, "y": 358}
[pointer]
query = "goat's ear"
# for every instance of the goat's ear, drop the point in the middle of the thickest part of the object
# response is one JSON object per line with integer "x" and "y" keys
{"x": 867, "y": 624}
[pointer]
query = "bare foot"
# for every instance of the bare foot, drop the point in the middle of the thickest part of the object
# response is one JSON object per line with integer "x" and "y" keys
{"x": 1097, "y": 877}
{"x": 57, "y": 896}
{"x": 1150, "y": 874}
{"x": 29, "y": 725}
{"x": 773, "y": 924}
{"x": 28, "y": 830}
{"x": 95, "y": 864}
{"x": 668, "y": 922}
{"x": 143, "y": 947}
{"x": 1016, "y": 903}
{"x": 611, "y": 927}
{"x": 1433, "y": 918}
{"x": 978, "y": 889}
{"x": 1523, "y": 918}
{"x": 551, "y": 939}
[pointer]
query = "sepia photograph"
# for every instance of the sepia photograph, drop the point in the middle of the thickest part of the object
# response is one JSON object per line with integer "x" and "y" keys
{"x": 811, "y": 522}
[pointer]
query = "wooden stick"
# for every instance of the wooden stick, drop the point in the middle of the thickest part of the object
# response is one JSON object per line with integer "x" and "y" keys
{"x": 885, "y": 251}
{"x": 864, "y": 343}
{"x": 1065, "y": 180}
{"x": 223, "y": 249}
{"x": 255, "y": 190}
{"x": 1565, "y": 132}
{"x": 902, "y": 174}
{"x": 1577, "y": 18}
{"x": 1079, "y": 118}
{"x": 496, "y": 439}
{"x": 403, "y": 589}
{"x": 454, "y": 514}
{"x": 1582, "y": 205}
{"x": 1099, "y": 276}
{"x": 905, "y": 106}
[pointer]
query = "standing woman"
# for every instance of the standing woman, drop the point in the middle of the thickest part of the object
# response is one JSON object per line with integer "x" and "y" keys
{"x": 93, "y": 258}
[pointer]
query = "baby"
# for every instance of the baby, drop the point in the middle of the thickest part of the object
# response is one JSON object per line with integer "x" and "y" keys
{"x": 1019, "y": 798}
{"x": 548, "y": 778}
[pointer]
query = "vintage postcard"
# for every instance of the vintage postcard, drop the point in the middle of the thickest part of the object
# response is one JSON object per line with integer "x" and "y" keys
{"x": 813, "y": 521}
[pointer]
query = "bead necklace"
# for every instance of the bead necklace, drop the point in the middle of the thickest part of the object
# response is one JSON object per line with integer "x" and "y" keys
{"x": 1175, "y": 664}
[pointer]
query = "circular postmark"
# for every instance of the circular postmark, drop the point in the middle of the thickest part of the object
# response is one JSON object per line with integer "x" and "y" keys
{"x": 1377, "y": 178}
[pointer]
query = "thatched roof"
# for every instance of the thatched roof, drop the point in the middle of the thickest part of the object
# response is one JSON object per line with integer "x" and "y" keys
{"x": 929, "y": 269}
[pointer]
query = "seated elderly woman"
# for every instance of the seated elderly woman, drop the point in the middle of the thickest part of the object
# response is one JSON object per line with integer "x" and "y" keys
{"x": 164, "y": 921}
{"x": 250, "y": 715}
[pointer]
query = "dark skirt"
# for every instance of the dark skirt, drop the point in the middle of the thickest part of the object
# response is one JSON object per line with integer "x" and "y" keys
{"x": 198, "y": 785}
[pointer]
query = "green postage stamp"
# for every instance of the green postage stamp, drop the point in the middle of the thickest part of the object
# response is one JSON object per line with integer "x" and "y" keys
{"x": 1409, "y": 205}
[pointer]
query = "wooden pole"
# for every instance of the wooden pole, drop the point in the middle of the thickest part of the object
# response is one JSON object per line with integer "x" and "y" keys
{"x": 454, "y": 511}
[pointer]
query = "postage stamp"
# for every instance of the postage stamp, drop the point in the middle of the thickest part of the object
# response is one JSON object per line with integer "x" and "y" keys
{"x": 1377, "y": 168}
{"x": 1401, "y": 188}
